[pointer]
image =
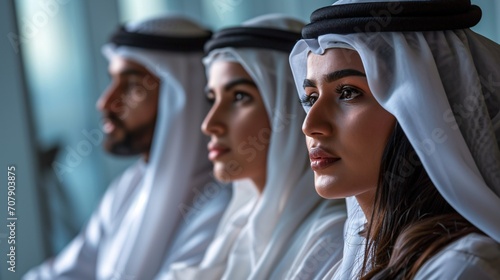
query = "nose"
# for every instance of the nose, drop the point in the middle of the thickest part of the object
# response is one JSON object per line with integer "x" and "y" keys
{"x": 214, "y": 122}
{"x": 319, "y": 120}
{"x": 109, "y": 101}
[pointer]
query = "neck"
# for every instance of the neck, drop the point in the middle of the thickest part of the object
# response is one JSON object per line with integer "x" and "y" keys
{"x": 365, "y": 201}
{"x": 260, "y": 183}
{"x": 145, "y": 157}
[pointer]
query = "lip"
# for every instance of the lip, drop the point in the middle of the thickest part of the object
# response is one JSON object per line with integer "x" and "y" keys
{"x": 108, "y": 126}
{"x": 216, "y": 150}
{"x": 321, "y": 158}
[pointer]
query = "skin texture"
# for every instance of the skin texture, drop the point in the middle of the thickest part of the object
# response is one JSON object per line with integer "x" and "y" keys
{"x": 347, "y": 124}
{"x": 237, "y": 124}
{"x": 129, "y": 107}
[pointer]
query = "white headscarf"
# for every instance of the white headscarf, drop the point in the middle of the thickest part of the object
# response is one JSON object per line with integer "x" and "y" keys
{"x": 178, "y": 167}
{"x": 443, "y": 87}
{"x": 258, "y": 230}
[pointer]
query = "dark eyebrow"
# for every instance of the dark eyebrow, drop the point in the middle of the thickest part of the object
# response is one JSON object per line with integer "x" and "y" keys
{"x": 308, "y": 83}
{"x": 233, "y": 83}
{"x": 239, "y": 81}
{"x": 333, "y": 76}
{"x": 131, "y": 72}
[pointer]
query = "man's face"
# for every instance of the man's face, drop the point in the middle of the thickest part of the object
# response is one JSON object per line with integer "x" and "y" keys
{"x": 129, "y": 106}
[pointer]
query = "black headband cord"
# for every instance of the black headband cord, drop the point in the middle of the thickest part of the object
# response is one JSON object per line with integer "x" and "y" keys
{"x": 122, "y": 37}
{"x": 392, "y": 17}
{"x": 253, "y": 37}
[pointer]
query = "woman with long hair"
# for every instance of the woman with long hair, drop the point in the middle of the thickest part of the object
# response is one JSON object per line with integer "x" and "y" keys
{"x": 403, "y": 114}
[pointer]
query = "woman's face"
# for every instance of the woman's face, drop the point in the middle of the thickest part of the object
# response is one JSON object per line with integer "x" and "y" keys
{"x": 237, "y": 124}
{"x": 346, "y": 129}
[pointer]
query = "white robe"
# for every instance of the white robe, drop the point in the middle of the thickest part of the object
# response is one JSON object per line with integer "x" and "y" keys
{"x": 81, "y": 259}
{"x": 169, "y": 210}
{"x": 78, "y": 260}
{"x": 473, "y": 256}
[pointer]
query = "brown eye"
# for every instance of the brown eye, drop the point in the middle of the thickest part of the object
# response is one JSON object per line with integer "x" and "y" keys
{"x": 348, "y": 93}
{"x": 309, "y": 100}
{"x": 210, "y": 96}
{"x": 242, "y": 96}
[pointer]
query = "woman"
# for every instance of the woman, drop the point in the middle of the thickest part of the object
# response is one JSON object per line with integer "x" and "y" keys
{"x": 406, "y": 120}
{"x": 276, "y": 225}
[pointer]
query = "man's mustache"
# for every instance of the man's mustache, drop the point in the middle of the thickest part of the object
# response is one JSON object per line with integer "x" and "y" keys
{"x": 115, "y": 119}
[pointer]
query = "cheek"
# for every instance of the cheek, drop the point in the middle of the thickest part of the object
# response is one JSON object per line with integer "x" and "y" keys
{"x": 365, "y": 141}
{"x": 252, "y": 126}
{"x": 251, "y": 136}
{"x": 142, "y": 111}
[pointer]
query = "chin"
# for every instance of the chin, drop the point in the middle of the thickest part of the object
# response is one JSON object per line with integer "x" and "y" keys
{"x": 325, "y": 192}
{"x": 328, "y": 187}
{"x": 228, "y": 171}
{"x": 220, "y": 173}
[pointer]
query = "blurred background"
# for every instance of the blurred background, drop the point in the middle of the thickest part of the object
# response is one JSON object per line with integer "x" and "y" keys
{"x": 52, "y": 72}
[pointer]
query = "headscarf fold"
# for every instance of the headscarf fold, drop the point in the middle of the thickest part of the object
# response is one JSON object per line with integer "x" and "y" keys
{"x": 178, "y": 171}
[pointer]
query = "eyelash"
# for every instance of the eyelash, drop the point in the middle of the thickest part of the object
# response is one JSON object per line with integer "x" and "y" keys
{"x": 309, "y": 100}
{"x": 239, "y": 96}
{"x": 242, "y": 96}
{"x": 306, "y": 100}
{"x": 210, "y": 98}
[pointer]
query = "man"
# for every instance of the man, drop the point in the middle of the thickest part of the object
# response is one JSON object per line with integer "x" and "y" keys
{"x": 166, "y": 207}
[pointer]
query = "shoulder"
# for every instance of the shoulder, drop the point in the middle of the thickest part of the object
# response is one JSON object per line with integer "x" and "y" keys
{"x": 121, "y": 191}
{"x": 318, "y": 243}
{"x": 473, "y": 256}
{"x": 128, "y": 180}
{"x": 324, "y": 224}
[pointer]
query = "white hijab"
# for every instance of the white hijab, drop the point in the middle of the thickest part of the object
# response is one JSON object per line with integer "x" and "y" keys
{"x": 178, "y": 167}
{"x": 258, "y": 230}
{"x": 443, "y": 87}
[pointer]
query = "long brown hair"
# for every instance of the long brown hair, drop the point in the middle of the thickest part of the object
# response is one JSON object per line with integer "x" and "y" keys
{"x": 410, "y": 221}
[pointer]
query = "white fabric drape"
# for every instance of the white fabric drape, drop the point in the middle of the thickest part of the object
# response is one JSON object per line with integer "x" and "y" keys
{"x": 178, "y": 164}
{"x": 258, "y": 232}
{"x": 354, "y": 245}
{"x": 78, "y": 260}
{"x": 171, "y": 213}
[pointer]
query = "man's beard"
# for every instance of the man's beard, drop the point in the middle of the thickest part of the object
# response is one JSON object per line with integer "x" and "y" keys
{"x": 134, "y": 142}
